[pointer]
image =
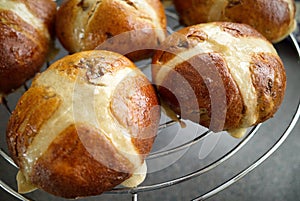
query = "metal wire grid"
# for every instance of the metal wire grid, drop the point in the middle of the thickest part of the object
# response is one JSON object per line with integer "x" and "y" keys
{"x": 243, "y": 142}
{"x": 134, "y": 191}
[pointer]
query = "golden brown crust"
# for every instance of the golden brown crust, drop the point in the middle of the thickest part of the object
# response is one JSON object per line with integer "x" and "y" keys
{"x": 269, "y": 79}
{"x": 23, "y": 48}
{"x": 21, "y": 56}
{"x": 124, "y": 24}
{"x": 71, "y": 152}
{"x": 76, "y": 164}
{"x": 271, "y": 18}
{"x": 274, "y": 19}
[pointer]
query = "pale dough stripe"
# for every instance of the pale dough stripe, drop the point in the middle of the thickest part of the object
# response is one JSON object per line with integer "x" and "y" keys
{"x": 80, "y": 23}
{"x": 216, "y": 10}
{"x": 236, "y": 51}
{"x": 24, "y": 13}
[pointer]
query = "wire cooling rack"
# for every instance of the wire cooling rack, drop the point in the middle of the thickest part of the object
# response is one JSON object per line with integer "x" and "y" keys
{"x": 200, "y": 136}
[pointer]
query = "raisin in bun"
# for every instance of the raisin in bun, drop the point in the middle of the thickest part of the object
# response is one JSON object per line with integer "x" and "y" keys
{"x": 133, "y": 25}
{"x": 223, "y": 75}
{"x": 274, "y": 19}
{"x": 84, "y": 126}
{"x": 26, "y": 28}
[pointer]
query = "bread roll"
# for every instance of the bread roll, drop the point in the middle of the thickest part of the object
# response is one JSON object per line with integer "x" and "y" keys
{"x": 275, "y": 19}
{"x": 223, "y": 75}
{"x": 26, "y": 28}
{"x": 84, "y": 126}
{"x": 129, "y": 24}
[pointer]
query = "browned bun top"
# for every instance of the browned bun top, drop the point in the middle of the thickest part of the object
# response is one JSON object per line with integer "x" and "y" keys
{"x": 274, "y": 19}
{"x": 132, "y": 25}
{"x": 222, "y": 75}
{"x": 26, "y": 28}
{"x": 85, "y": 125}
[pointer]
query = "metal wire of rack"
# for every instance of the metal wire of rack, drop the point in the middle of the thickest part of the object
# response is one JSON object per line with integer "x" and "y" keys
{"x": 200, "y": 137}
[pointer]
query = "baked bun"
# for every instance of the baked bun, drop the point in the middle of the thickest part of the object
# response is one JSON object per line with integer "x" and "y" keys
{"x": 223, "y": 75}
{"x": 26, "y": 28}
{"x": 275, "y": 19}
{"x": 84, "y": 126}
{"x": 130, "y": 25}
